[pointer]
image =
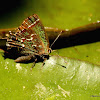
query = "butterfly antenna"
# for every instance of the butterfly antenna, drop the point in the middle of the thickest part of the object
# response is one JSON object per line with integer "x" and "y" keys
{"x": 56, "y": 39}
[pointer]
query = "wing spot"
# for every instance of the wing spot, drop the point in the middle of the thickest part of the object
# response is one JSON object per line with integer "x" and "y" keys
{"x": 33, "y": 45}
{"x": 23, "y": 45}
{"x": 33, "y": 23}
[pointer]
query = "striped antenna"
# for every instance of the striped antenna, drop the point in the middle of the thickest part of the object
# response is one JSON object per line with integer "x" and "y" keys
{"x": 56, "y": 39}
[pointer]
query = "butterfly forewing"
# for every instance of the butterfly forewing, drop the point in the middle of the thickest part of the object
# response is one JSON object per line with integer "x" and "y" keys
{"x": 31, "y": 36}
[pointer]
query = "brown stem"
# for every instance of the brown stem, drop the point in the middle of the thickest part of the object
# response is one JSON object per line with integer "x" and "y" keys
{"x": 4, "y": 32}
{"x": 53, "y": 32}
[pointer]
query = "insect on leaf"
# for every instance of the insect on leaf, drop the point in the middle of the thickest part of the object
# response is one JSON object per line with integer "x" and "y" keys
{"x": 31, "y": 38}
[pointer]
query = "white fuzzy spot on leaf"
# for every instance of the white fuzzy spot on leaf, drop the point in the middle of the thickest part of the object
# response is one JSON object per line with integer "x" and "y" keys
{"x": 18, "y": 67}
{"x": 6, "y": 64}
{"x": 42, "y": 91}
{"x": 23, "y": 87}
{"x": 64, "y": 92}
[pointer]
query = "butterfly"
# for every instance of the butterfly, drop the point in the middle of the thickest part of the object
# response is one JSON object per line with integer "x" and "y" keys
{"x": 31, "y": 40}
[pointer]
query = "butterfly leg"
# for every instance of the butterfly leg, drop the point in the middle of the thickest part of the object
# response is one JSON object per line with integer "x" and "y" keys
{"x": 43, "y": 63}
{"x": 33, "y": 64}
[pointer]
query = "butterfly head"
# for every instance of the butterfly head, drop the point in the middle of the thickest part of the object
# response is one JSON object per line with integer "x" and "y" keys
{"x": 49, "y": 50}
{"x": 46, "y": 54}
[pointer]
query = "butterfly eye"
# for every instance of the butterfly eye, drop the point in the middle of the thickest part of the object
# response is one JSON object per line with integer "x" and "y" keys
{"x": 49, "y": 50}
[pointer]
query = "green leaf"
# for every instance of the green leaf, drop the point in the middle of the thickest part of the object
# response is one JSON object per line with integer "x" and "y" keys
{"x": 87, "y": 52}
{"x": 79, "y": 80}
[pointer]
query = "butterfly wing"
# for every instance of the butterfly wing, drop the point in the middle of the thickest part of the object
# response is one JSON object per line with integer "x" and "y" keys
{"x": 30, "y": 36}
